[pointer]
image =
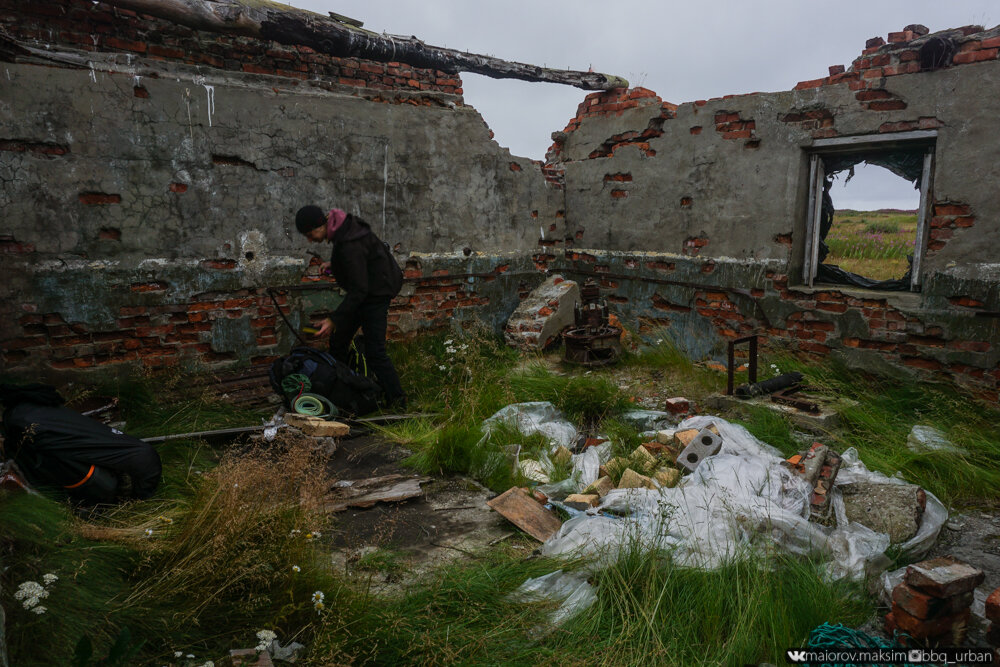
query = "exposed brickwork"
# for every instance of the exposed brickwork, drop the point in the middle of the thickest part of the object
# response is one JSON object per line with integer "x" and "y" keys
{"x": 152, "y": 335}
{"x": 901, "y": 55}
{"x": 89, "y": 26}
{"x": 949, "y": 218}
{"x": 732, "y": 126}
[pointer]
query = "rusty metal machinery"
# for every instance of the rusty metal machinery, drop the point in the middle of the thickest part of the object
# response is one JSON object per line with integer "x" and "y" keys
{"x": 592, "y": 341}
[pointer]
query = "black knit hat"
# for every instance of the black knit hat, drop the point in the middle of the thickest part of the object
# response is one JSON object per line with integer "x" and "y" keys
{"x": 309, "y": 218}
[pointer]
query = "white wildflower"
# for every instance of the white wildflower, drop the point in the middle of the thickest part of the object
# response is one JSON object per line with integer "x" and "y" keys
{"x": 264, "y": 639}
{"x": 178, "y": 654}
{"x": 449, "y": 341}
{"x": 208, "y": 663}
{"x": 49, "y": 578}
{"x": 30, "y": 592}
{"x": 296, "y": 568}
{"x": 294, "y": 532}
{"x": 165, "y": 519}
{"x": 189, "y": 656}
{"x": 442, "y": 367}
{"x": 149, "y": 532}
{"x": 463, "y": 347}
{"x": 318, "y": 597}
{"x": 319, "y": 607}
{"x": 38, "y": 610}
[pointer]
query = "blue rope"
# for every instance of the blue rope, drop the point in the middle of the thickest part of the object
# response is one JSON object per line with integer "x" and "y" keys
{"x": 828, "y": 636}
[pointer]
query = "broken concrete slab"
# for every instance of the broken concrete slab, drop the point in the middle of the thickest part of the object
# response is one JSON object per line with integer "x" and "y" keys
{"x": 522, "y": 511}
{"x": 367, "y": 492}
{"x": 317, "y": 427}
{"x": 943, "y": 577}
{"x": 889, "y": 508}
{"x": 539, "y": 319}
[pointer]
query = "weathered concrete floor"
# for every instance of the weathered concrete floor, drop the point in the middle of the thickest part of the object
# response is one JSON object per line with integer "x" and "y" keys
{"x": 451, "y": 520}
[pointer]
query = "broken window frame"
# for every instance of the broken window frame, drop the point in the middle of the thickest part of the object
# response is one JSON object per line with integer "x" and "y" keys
{"x": 867, "y": 144}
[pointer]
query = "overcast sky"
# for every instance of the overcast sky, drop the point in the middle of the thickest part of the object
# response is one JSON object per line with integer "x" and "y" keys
{"x": 683, "y": 51}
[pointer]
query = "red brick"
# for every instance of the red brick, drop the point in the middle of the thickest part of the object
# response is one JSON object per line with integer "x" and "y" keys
{"x": 943, "y": 577}
{"x": 993, "y": 601}
{"x": 919, "y": 628}
{"x": 922, "y": 605}
{"x": 619, "y": 194}
{"x": 951, "y": 209}
{"x": 179, "y": 188}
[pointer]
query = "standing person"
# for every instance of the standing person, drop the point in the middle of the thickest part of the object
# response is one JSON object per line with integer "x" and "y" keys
{"x": 365, "y": 268}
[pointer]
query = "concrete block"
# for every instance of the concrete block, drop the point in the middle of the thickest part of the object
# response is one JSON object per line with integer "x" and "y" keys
{"x": 704, "y": 444}
{"x": 544, "y": 313}
{"x": 666, "y": 437}
{"x": 601, "y": 487}
{"x": 591, "y": 499}
{"x": 943, "y": 577}
{"x": 993, "y": 606}
{"x": 921, "y": 605}
{"x": 667, "y": 477}
{"x": 633, "y": 480}
{"x": 317, "y": 427}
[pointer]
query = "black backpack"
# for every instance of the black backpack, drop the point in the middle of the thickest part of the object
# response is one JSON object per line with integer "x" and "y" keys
{"x": 351, "y": 392}
{"x": 56, "y": 446}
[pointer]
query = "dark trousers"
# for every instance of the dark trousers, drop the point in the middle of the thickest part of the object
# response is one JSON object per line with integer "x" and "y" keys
{"x": 372, "y": 317}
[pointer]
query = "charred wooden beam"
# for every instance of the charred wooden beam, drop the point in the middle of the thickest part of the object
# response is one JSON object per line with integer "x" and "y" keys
{"x": 290, "y": 26}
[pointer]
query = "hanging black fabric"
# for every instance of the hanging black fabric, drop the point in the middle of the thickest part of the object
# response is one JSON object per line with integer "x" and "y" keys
{"x": 55, "y": 446}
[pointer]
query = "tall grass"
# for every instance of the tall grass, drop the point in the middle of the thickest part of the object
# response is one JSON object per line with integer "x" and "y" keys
{"x": 879, "y": 414}
{"x": 651, "y": 612}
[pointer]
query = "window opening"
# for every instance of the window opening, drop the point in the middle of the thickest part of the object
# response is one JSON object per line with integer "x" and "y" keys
{"x": 872, "y": 250}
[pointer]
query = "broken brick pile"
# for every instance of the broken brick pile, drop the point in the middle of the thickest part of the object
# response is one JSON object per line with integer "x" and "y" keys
{"x": 932, "y": 605}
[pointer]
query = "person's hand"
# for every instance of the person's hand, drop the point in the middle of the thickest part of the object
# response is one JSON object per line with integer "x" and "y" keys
{"x": 325, "y": 327}
{"x": 324, "y": 268}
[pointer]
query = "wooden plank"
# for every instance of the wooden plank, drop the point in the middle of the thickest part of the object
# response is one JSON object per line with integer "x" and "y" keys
{"x": 922, "y": 227}
{"x": 886, "y": 138}
{"x": 807, "y": 273}
{"x": 317, "y": 426}
{"x": 366, "y": 492}
{"x": 817, "y": 217}
{"x": 526, "y": 513}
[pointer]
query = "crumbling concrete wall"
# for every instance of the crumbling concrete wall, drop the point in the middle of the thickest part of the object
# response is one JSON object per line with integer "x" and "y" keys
{"x": 151, "y": 174}
{"x": 694, "y": 216}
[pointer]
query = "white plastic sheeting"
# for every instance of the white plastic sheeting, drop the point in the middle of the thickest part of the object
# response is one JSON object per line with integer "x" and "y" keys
{"x": 738, "y": 501}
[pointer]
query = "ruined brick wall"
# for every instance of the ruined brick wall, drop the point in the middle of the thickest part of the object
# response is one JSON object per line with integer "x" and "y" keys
{"x": 693, "y": 216}
{"x": 150, "y": 175}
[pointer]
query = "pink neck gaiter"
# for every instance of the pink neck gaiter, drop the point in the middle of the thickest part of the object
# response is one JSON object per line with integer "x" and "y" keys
{"x": 334, "y": 220}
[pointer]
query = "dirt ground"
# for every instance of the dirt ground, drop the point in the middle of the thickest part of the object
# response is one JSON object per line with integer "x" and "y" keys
{"x": 450, "y": 520}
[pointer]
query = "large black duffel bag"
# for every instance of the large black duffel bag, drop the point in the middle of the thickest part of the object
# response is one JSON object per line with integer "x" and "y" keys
{"x": 349, "y": 390}
{"x": 55, "y": 446}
